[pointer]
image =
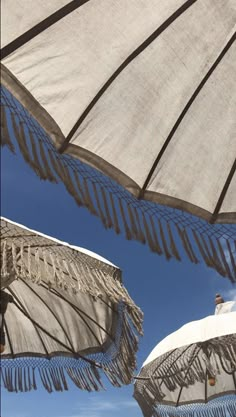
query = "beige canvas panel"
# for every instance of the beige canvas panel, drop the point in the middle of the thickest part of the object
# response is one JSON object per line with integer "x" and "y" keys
{"x": 21, "y": 15}
{"x": 59, "y": 319}
{"x": 196, "y": 392}
{"x": 129, "y": 124}
{"x": 204, "y": 145}
{"x": 65, "y": 66}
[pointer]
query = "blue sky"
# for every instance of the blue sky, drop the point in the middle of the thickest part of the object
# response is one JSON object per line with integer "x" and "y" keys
{"x": 169, "y": 293}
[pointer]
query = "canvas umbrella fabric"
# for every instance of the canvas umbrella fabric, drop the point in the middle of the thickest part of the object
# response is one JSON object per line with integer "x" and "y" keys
{"x": 192, "y": 372}
{"x": 65, "y": 315}
{"x": 143, "y": 93}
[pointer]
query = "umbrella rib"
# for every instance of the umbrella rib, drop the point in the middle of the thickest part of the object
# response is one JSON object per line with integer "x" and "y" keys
{"x": 181, "y": 117}
{"x": 8, "y": 336}
{"x": 124, "y": 64}
{"x": 206, "y": 387}
{"x": 76, "y": 354}
{"x": 22, "y": 309}
{"x": 41, "y": 26}
{"x": 223, "y": 192}
{"x": 187, "y": 371}
{"x": 52, "y": 312}
{"x": 78, "y": 311}
{"x": 234, "y": 379}
{"x": 168, "y": 355}
{"x": 79, "y": 314}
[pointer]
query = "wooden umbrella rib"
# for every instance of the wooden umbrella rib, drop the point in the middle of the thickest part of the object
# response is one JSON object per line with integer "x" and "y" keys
{"x": 181, "y": 117}
{"x": 124, "y": 64}
{"x": 53, "y": 314}
{"x": 25, "y": 313}
{"x": 41, "y": 27}
{"x": 223, "y": 193}
{"x": 205, "y": 387}
{"x": 197, "y": 348}
{"x": 169, "y": 354}
{"x": 9, "y": 338}
{"x": 234, "y": 379}
{"x": 79, "y": 312}
{"x": 77, "y": 355}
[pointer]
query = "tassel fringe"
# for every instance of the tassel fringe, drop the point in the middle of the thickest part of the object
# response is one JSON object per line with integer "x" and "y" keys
{"x": 211, "y": 409}
{"x": 40, "y": 265}
{"x": 161, "y": 236}
{"x": 182, "y": 368}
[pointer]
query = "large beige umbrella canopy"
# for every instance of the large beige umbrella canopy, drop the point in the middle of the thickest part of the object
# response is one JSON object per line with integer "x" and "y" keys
{"x": 192, "y": 372}
{"x": 64, "y": 315}
{"x": 143, "y": 92}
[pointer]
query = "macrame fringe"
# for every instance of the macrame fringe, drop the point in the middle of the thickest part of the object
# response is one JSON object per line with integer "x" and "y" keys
{"x": 173, "y": 375}
{"x": 5, "y": 135}
{"x": 216, "y": 410}
{"x": 40, "y": 265}
{"x": 113, "y": 211}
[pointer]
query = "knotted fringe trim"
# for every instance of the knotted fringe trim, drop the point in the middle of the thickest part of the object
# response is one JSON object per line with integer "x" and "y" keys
{"x": 114, "y": 212}
{"x": 39, "y": 265}
{"x": 185, "y": 367}
{"x": 117, "y": 363}
{"x": 207, "y": 410}
{"x": 226, "y": 408}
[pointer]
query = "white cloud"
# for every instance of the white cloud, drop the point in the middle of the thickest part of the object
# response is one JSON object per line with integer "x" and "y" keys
{"x": 100, "y": 408}
{"x": 230, "y": 295}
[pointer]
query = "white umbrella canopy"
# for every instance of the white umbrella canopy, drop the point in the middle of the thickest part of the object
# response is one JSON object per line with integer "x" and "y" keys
{"x": 192, "y": 372}
{"x": 142, "y": 92}
{"x": 64, "y": 311}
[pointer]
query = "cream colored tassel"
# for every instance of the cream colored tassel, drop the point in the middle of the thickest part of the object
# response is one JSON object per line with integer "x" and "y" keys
{"x": 77, "y": 275}
{"x": 164, "y": 242}
{"x": 53, "y": 272}
{"x": 36, "y": 160}
{"x": 29, "y": 261}
{"x": 126, "y": 227}
{"x": 70, "y": 277}
{"x": 232, "y": 258}
{"x": 14, "y": 260}
{"x": 22, "y": 262}
{"x": 224, "y": 260}
{"x": 37, "y": 267}
{"x": 89, "y": 200}
{"x": 60, "y": 279}
{"x": 46, "y": 266}
{"x": 5, "y": 136}
{"x": 155, "y": 237}
{"x": 115, "y": 217}
{"x": 107, "y": 210}
{"x": 101, "y": 214}
{"x": 173, "y": 247}
{"x": 50, "y": 176}
{"x": 4, "y": 271}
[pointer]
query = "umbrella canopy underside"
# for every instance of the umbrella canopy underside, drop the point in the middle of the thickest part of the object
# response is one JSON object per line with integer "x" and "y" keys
{"x": 53, "y": 333}
{"x": 180, "y": 379}
{"x": 175, "y": 381}
{"x": 157, "y": 116}
{"x": 70, "y": 315}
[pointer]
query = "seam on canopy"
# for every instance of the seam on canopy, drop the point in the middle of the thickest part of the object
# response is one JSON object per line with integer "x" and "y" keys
{"x": 124, "y": 64}
{"x": 181, "y": 117}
